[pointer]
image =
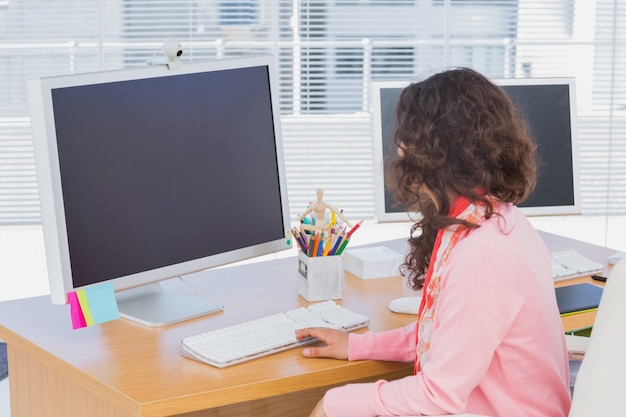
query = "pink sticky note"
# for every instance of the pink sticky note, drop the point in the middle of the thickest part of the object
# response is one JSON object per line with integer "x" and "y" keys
{"x": 78, "y": 319}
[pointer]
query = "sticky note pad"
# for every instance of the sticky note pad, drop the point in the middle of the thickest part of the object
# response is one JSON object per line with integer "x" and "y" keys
{"x": 93, "y": 305}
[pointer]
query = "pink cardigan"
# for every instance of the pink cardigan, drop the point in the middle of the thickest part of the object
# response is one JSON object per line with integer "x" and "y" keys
{"x": 497, "y": 348}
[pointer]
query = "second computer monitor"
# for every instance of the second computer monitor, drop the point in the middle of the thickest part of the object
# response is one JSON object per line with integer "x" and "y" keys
{"x": 549, "y": 106}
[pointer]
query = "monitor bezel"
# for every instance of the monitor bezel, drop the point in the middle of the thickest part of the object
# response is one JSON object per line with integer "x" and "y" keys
{"x": 381, "y": 215}
{"x": 50, "y": 186}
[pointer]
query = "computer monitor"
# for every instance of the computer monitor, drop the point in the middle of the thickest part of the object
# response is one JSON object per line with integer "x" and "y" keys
{"x": 148, "y": 174}
{"x": 549, "y": 106}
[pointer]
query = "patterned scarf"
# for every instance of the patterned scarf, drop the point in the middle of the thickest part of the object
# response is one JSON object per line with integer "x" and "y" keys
{"x": 445, "y": 241}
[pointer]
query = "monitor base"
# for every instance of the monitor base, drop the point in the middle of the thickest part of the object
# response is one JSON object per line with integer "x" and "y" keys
{"x": 154, "y": 306}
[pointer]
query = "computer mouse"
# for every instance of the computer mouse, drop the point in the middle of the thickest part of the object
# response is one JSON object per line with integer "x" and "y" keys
{"x": 405, "y": 305}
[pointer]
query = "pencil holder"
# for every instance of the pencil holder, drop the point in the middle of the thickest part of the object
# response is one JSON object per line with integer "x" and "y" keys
{"x": 320, "y": 277}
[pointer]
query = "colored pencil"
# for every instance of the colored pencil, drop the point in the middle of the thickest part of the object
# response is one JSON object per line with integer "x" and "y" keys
{"x": 337, "y": 244}
{"x": 356, "y": 226}
{"x": 343, "y": 245}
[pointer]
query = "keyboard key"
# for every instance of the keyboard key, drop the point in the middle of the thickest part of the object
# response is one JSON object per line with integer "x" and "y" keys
{"x": 570, "y": 264}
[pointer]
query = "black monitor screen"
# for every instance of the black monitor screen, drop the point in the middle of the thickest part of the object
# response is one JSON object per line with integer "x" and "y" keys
{"x": 165, "y": 170}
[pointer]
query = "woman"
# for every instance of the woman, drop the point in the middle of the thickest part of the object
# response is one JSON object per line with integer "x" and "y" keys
{"x": 488, "y": 339}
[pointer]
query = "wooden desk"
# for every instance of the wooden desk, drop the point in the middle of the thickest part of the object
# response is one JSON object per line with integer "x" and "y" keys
{"x": 122, "y": 369}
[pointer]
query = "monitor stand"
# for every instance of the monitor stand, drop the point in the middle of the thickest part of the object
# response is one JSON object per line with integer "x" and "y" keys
{"x": 154, "y": 306}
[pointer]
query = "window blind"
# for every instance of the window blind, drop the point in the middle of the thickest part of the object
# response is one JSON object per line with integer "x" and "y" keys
{"x": 328, "y": 52}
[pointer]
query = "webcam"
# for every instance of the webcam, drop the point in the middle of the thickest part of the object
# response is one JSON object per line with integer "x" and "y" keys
{"x": 173, "y": 49}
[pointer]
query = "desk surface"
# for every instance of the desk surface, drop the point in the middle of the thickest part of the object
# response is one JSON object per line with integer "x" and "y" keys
{"x": 121, "y": 368}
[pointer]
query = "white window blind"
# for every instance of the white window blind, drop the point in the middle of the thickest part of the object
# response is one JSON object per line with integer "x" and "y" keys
{"x": 328, "y": 53}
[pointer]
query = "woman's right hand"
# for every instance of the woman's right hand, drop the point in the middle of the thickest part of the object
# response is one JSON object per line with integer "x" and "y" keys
{"x": 336, "y": 343}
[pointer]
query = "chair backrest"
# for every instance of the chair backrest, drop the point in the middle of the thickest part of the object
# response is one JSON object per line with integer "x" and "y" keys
{"x": 600, "y": 382}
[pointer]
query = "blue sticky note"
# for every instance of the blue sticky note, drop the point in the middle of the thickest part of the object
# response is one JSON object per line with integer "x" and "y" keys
{"x": 102, "y": 303}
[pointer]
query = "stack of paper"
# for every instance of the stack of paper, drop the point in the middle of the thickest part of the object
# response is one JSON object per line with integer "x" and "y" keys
{"x": 373, "y": 262}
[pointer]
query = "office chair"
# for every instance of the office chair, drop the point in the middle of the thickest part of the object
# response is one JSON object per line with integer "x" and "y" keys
{"x": 599, "y": 386}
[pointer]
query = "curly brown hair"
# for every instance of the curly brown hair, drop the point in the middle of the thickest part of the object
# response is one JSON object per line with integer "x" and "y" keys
{"x": 460, "y": 134}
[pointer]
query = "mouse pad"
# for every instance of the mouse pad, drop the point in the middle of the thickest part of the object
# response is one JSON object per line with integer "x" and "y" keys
{"x": 578, "y": 297}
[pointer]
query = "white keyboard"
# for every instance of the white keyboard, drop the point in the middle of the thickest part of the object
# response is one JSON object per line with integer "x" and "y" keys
{"x": 253, "y": 339}
{"x": 570, "y": 264}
